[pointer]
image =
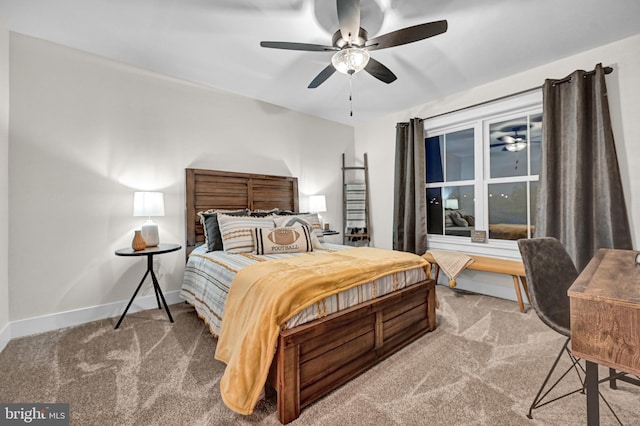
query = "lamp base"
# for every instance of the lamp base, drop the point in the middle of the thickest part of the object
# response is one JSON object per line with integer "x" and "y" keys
{"x": 150, "y": 233}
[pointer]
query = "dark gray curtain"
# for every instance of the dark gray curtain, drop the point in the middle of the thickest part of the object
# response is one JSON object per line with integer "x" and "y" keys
{"x": 580, "y": 198}
{"x": 409, "y": 203}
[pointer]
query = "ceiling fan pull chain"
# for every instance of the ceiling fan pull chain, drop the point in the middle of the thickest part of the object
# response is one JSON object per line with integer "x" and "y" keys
{"x": 350, "y": 96}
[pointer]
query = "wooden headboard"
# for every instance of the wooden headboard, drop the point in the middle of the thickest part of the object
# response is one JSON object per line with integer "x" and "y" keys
{"x": 212, "y": 189}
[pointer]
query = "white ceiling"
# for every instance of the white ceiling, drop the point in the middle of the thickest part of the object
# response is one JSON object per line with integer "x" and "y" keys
{"x": 216, "y": 42}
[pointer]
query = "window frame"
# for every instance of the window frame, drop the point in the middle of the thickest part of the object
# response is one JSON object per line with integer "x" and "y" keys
{"x": 480, "y": 118}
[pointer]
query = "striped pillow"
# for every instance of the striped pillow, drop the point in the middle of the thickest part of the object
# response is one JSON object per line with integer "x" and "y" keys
{"x": 209, "y": 220}
{"x": 238, "y": 232}
{"x": 291, "y": 239}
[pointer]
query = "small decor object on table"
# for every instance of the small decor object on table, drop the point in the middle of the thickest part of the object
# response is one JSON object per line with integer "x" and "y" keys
{"x": 149, "y": 252}
{"x": 138, "y": 242}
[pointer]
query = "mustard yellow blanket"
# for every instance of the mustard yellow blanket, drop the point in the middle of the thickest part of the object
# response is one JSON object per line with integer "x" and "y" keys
{"x": 265, "y": 295}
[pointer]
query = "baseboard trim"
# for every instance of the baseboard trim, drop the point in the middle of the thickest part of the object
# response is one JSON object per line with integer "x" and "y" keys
{"x": 5, "y": 336}
{"x": 30, "y": 326}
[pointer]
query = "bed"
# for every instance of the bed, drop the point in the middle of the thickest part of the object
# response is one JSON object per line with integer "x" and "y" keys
{"x": 316, "y": 357}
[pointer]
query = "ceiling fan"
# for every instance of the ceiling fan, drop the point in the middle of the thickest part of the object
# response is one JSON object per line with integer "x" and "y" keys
{"x": 513, "y": 143}
{"x": 352, "y": 45}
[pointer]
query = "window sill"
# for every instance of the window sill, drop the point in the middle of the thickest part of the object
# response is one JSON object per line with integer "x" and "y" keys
{"x": 498, "y": 248}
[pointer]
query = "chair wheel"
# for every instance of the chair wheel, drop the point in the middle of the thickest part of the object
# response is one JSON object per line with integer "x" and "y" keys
{"x": 529, "y": 416}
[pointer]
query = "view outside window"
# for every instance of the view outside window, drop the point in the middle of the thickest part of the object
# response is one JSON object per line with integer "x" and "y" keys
{"x": 499, "y": 197}
{"x": 514, "y": 163}
{"x": 450, "y": 169}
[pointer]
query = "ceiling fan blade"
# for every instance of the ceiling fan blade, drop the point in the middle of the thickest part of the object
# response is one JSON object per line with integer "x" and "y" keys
{"x": 507, "y": 139}
{"x": 379, "y": 71}
{"x": 407, "y": 35}
{"x": 297, "y": 46}
{"x": 320, "y": 78}
{"x": 349, "y": 19}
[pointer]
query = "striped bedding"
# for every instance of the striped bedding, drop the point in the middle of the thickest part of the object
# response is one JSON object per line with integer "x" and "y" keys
{"x": 208, "y": 276}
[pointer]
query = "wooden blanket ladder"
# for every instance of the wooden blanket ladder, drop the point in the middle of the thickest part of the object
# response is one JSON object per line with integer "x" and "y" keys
{"x": 355, "y": 195}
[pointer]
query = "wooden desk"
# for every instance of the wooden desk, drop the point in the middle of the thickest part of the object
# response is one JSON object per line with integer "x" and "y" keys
{"x": 605, "y": 318}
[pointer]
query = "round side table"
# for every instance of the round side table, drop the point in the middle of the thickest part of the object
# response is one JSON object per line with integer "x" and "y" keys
{"x": 149, "y": 252}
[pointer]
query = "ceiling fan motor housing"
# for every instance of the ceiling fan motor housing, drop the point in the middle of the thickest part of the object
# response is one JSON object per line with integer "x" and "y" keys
{"x": 341, "y": 42}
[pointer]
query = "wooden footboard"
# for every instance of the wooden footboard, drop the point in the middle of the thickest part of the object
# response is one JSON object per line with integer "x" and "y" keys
{"x": 316, "y": 358}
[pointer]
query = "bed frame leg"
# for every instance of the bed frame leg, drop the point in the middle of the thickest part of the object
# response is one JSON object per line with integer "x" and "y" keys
{"x": 288, "y": 382}
{"x": 431, "y": 303}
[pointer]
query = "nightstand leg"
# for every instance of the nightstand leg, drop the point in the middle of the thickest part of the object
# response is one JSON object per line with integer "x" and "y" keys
{"x": 132, "y": 297}
{"x": 159, "y": 292}
{"x": 150, "y": 268}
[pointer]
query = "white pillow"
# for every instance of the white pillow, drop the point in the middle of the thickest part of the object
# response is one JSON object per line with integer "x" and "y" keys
{"x": 238, "y": 231}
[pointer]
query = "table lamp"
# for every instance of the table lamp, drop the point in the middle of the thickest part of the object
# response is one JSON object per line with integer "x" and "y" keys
{"x": 451, "y": 203}
{"x": 149, "y": 204}
{"x": 318, "y": 204}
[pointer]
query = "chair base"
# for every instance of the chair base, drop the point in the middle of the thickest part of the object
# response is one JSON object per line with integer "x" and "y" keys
{"x": 540, "y": 396}
{"x": 575, "y": 365}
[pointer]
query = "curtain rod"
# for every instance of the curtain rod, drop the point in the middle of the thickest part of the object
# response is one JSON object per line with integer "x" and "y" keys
{"x": 607, "y": 70}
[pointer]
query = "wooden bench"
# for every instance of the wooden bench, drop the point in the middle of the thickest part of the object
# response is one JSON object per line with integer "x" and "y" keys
{"x": 515, "y": 268}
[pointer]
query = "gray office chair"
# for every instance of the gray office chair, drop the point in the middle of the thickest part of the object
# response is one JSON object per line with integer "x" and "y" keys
{"x": 550, "y": 272}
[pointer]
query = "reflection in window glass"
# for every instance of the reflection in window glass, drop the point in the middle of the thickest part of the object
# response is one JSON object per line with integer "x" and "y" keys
{"x": 434, "y": 211}
{"x": 459, "y": 216}
{"x": 535, "y": 135}
{"x": 509, "y": 139}
{"x": 434, "y": 147}
{"x": 508, "y": 149}
{"x": 460, "y": 155}
{"x": 508, "y": 211}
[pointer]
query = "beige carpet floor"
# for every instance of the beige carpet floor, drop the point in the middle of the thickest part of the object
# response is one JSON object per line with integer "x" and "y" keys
{"x": 482, "y": 366}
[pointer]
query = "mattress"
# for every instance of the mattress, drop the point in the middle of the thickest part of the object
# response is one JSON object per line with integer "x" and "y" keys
{"x": 208, "y": 277}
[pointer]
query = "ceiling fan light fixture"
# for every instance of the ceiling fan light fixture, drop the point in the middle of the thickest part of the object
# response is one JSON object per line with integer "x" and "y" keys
{"x": 350, "y": 60}
{"x": 516, "y": 146}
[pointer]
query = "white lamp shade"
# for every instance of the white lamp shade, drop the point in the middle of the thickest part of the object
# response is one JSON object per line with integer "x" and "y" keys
{"x": 451, "y": 203}
{"x": 148, "y": 204}
{"x": 317, "y": 204}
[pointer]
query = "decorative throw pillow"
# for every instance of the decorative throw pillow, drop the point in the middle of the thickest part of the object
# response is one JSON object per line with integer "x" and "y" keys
{"x": 292, "y": 239}
{"x": 470, "y": 219}
{"x": 306, "y": 220}
{"x": 263, "y": 213}
{"x": 458, "y": 219}
{"x": 447, "y": 220}
{"x": 209, "y": 221}
{"x": 238, "y": 232}
{"x": 289, "y": 213}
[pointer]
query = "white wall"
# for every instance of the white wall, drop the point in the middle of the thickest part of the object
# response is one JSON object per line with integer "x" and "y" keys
{"x": 86, "y": 132}
{"x": 378, "y": 137}
{"x": 4, "y": 184}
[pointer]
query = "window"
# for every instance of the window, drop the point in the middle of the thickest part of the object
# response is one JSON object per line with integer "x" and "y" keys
{"x": 482, "y": 168}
